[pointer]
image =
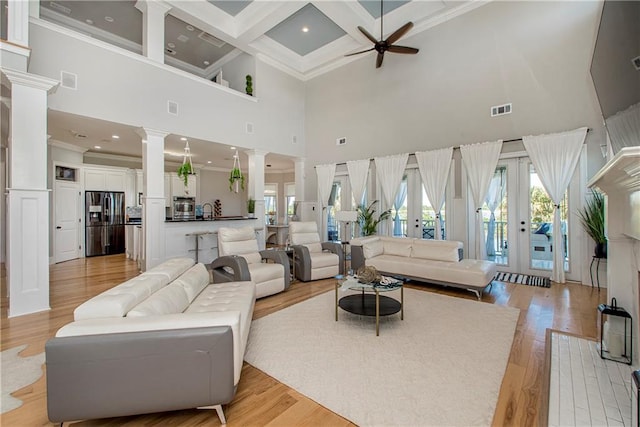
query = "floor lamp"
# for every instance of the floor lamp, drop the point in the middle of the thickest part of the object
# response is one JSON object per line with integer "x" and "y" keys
{"x": 346, "y": 217}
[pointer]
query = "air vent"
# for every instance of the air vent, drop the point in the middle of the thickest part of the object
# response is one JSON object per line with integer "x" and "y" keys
{"x": 249, "y": 127}
{"x": 172, "y": 107}
{"x": 211, "y": 39}
{"x": 636, "y": 62}
{"x": 170, "y": 51}
{"x": 60, "y": 8}
{"x": 341, "y": 141}
{"x": 501, "y": 110}
{"x": 69, "y": 80}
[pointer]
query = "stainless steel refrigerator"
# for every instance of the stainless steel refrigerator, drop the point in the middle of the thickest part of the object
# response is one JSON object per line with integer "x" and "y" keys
{"x": 104, "y": 223}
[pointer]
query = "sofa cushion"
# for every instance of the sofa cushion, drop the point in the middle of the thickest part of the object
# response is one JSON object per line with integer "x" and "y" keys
{"x": 173, "y": 298}
{"x": 266, "y": 271}
{"x": 194, "y": 280}
{"x": 303, "y": 233}
{"x": 323, "y": 259}
{"x": 314, "y": 247}
{"x": 373, "y": 248}
{"x": 171, "y": 268}
{"x": 397, "y": 246}
{"x": 237, "y": 241}
{"x": 117, "y": 301}
{"x": 437, "y": 250}
{"x": 252, "y": 257}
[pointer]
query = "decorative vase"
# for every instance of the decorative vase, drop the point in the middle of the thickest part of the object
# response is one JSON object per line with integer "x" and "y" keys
{"x": 600, "y": 250}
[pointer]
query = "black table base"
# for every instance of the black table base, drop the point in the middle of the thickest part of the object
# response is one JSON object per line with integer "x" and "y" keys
{"x": 365, "y": 305}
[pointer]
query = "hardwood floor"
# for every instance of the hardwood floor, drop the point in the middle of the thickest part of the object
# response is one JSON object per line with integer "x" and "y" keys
{"x": 260, "y": 399}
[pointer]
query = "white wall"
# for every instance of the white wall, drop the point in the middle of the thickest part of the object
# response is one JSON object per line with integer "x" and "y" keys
{"x": 215, "y": 185}
{"x": 533, "y": 54}
{"x": 123, "y": 87}
{"x": 236, "y": 70}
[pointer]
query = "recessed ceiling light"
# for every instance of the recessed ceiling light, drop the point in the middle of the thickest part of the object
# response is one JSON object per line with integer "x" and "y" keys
{"x": 209, "y": 161}
{"x": 89, "y": 21}
{"x": 97, "y": 147}
{"x": 183, "y": 139}
{"x": 171, "y": 45}
{"x": 305, "y": 29}
{"x": 206, "y": 62}
{"x": 108, "y": 19}
{"x": 190, "y": 28}
{"x": 233, "y": 148}
{"x": 115, "y": 137}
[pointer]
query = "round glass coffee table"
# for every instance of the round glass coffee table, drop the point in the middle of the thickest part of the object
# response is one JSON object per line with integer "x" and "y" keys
{"x": 369, "y": 302}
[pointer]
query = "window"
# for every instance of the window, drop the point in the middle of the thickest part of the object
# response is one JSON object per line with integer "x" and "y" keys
{"x": 270, "y": 203}
{"x": 290, "y": 194}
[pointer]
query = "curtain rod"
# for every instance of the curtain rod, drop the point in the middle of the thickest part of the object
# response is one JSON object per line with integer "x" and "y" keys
{"x": 457, "y": 147}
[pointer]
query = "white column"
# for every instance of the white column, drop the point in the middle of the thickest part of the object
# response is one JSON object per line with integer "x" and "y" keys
{"x": 18, "y": 22}
{"x": 153, "y": 212}
{"x": 153, "y": 13}
{"x": 255, "y": 189}
{"x": 300, "y": 178}
{"x": 28, "y": 196}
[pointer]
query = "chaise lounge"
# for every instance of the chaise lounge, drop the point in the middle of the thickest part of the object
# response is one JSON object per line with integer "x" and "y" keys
{"x": 433, "y": 261}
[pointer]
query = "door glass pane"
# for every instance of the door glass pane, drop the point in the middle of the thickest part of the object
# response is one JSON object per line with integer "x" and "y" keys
{"x": 494, "y": 214}
{"x": 271, "y": 203}
{"x": 429, "y": 218}
{"x": 334, "y": 206}
{"x": 399, "y": 210}
{"x": 541, "y": 220}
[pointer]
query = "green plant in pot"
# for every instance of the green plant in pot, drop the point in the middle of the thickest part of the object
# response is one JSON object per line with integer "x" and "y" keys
{"x": 592, "y": 219}
{"x": 368, "y": 223}
{"x": 249, "y": 88}
{"x": 184, "y": 171}
{"x": 251, "y": 207}
{"x": 236, "y": 179}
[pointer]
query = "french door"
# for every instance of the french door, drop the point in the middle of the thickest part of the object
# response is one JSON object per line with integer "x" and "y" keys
{"x": 519, "y": 235}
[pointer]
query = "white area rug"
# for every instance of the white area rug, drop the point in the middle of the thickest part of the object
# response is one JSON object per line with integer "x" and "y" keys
{"x": 17, "y": 372}
{"x": 442, "y": 365}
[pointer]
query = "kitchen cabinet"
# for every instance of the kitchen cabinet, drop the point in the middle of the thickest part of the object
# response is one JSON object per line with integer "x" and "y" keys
{"x": 103, "y": 179}
{"x": 178, "y": 189}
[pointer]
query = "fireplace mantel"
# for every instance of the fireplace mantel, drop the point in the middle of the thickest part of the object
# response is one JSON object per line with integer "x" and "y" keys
{"x": 619, "y": 179}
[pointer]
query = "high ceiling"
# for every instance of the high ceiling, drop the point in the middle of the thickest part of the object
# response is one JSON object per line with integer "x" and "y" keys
{"x": 302, "y": 38}
{"x": 305, "y": 38}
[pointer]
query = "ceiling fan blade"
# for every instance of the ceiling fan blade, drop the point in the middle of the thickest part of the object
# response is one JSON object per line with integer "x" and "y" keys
{"x": 362, "y": 51}
{"x": 399, "y": 33}
{"x": 402, "y": 49}
{"x": 367, "y": 35}
{"x": 379, "y": 59}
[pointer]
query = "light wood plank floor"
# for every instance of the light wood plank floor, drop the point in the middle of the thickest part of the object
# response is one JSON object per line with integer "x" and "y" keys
{"x": 260, "y": 399}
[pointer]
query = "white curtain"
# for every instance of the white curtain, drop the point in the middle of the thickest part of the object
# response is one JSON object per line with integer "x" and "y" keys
{"x": 434, "y": 169}
{"x": 358, "y": 172}
{"x": 494, "y": 197}
{"x": 325, "y": 175}
{"x": 480, "y": 161}
{"x": 624, "y": 128}
{"x": 555, "y": 157}
{"x": 389, "y": 171}
{"x": 397, "y": 204}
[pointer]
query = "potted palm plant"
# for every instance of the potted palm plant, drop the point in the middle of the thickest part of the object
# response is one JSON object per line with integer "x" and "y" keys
{"x": 368, "y": 223}
{"x": 251, "y": 207}
{"x": 592, "y": 219}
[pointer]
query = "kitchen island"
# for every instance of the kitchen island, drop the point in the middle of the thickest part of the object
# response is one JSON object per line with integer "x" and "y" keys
{"x": 181, "y": 235}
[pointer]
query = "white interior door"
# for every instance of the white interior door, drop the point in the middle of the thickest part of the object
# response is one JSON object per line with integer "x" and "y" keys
{"x": 67, "y": 221}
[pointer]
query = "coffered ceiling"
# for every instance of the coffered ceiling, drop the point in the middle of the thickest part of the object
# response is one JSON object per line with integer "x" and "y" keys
{"x": 304, "y": 38}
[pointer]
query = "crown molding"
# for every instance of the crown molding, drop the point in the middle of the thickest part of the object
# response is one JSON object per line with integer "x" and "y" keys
{"x": 67, "y": 146}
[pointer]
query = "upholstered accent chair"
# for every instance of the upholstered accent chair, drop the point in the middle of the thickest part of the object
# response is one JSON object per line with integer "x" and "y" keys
{"x": 314, "y": 259}
{"x": 240, "y": 260}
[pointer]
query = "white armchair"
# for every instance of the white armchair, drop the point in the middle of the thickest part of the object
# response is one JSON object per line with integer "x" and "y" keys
{"x": 240, "y": 260}
{"x": 314, "y": 259}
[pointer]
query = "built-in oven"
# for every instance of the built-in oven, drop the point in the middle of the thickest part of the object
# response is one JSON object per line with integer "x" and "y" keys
{"x": 184, "y": 207}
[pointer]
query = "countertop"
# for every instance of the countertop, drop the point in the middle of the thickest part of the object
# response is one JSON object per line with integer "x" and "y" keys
{"x": 216, "y": 218}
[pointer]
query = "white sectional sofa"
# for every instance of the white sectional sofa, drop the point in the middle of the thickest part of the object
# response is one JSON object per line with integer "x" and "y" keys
{"x": 162, "y": 341}
{"x": 433, "y": 261}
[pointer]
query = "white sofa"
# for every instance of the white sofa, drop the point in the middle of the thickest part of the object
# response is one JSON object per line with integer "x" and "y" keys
{"x": 162, "y": 341}
{"x": 433, "y": 261}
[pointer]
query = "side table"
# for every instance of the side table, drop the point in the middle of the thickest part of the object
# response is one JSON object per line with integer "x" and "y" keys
{"x": 593, "y": 259}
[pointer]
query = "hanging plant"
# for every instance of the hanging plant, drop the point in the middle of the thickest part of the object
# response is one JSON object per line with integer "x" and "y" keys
{"x": 234, "y": 177}
{"x": 184, "y": 171}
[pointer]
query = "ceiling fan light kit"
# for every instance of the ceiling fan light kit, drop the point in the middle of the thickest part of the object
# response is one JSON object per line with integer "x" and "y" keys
{"x": 381, "y": 46}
